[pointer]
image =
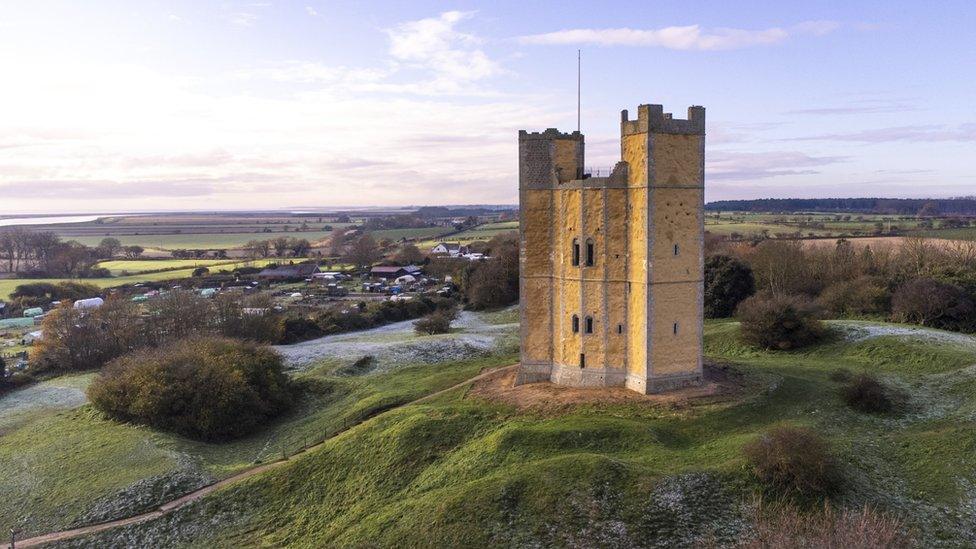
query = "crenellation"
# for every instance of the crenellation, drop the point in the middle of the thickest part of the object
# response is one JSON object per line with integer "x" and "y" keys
{"x": 653, "y": 119}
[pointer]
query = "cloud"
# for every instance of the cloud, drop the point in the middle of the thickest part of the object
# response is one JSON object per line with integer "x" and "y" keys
{"x": 859, "y": 107}
{"x": 742, "y": 166}
{"x": 691, "y": 37}
{"x": 106, "y": 137}
{"x": 918, "y": 133}
{"x": 308, "y": 72}
{"x": 435, "y": 44}
{"x": 427, "y": 57}
{"x": 311, "y": 11}
{"x": 243, "y": 18}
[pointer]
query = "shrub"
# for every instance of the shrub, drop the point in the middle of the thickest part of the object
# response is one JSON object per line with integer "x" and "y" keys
{"x": 201, "y": 271}
{"x": 779, "y": 322}
{"x": 793, "y": 460}
{"x": 866, "y": 295}
{"x": 728, "y": 281}
{"x": 866, "y": 394}
{"x": 932, "y": 303}
{"x": 41, "y": 294}
{"x": 495, "y": 282}
{"x": 299, "y": 328}
{"x": 438, "y": 322}
{"x": 785, "y": 525}
{"x": 76, "y": 339}
{"x": 207, "y": 388}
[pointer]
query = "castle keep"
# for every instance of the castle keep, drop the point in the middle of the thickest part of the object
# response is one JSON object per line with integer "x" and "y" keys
{"x": 611, "y": 267}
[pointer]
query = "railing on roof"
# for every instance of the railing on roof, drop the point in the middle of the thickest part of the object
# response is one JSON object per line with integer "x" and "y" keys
{"x": 597, "y": 171}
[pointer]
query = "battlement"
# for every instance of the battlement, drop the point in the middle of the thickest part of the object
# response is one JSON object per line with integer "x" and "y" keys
{"x": 653, "y": 119}
{"x": 550, "y": 133}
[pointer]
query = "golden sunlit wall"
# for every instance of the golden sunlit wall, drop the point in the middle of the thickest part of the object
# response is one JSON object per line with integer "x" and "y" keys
{"x": 611, "y": 267}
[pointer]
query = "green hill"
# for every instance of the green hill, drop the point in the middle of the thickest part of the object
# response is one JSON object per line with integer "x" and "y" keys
{"x": 458, "y": 471}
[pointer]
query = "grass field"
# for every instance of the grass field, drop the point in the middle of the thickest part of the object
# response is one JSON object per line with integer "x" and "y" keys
{"x": 8, "y": 285}
{"x": 750, "y": 223}
{"x": 968, "y": 233}
{"x": 482, "y": 232}
{"x": 459, "y": 471}
{"x": 214, "y": 241}
{"x": 135, "y": 266}
{"x": 485, "y": 232}
{"x": 411, "y": 234}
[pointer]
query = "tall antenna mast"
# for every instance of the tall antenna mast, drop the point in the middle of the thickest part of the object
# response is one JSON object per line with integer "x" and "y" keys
{"x": 579, "y": 66}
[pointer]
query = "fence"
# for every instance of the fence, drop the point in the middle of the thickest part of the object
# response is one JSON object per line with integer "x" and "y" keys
{"x": 597, "y": 171}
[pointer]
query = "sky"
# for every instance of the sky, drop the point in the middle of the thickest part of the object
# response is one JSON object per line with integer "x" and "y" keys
{"x": 138, "y": 105}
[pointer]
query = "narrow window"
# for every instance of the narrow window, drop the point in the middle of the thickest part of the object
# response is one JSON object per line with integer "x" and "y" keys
{"x": 589, "y": 324}
{"x": 675, "y": 249}
{"x": 582, "y": 360}
{"x": 576, "y": 253}
{"x": 620, "y": 328}
{"x": 675, "y": 328}
{"x": 575, "y": 324}
{"x": 589, "y": 253}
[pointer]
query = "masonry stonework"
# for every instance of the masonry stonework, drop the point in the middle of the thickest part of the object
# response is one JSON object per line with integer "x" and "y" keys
{"x": 611, "y": 267}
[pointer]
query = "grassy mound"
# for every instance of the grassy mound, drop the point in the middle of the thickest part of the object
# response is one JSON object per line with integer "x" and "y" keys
{"x": 456, "y": 471}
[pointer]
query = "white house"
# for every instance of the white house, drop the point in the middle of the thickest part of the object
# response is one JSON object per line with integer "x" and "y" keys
{"x": 453, "y": 249}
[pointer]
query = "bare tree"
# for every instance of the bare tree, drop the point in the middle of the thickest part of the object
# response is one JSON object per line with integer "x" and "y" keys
{"x": 363, "y": 251}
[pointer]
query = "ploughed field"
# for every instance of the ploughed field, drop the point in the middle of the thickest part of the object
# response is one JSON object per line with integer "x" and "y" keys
{"x": 462, "y": 469}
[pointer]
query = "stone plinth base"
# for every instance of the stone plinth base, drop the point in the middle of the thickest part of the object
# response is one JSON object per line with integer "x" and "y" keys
{"x": 574, "y": 376}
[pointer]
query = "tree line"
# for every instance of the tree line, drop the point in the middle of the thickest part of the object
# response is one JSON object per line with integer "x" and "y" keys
{"x": 905, "y": 206}
{"x": 919, "y": 281}
{"x": 283, "y": 246}
{"x": 43, "y": 254}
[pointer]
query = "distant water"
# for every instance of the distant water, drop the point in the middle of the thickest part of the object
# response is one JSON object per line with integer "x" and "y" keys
{"x": 47, "y": 220}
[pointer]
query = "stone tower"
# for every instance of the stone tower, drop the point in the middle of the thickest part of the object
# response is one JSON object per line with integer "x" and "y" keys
{"x": 611, "y": 267}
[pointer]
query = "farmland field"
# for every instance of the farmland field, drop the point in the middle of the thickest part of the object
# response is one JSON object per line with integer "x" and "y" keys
{"x": 748, "y": 224}
{"x": 411, "y": 234}
{"x": 485, "y": 231}
{"x": 8, "y": 285}
{"x": 195, "y": 231}
{"x": 135, "y": 266}
{"x": 205, "y": 241}
{"x": 966, "y": 233}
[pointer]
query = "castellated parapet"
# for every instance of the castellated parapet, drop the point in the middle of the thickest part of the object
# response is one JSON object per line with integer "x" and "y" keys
{"x": 612, "y": 267}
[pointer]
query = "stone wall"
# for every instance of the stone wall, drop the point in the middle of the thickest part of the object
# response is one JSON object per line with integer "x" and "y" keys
{"x": 642, "y": 292}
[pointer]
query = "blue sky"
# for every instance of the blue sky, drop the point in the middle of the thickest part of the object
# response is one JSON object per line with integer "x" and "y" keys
{"x": 152, "y": 105}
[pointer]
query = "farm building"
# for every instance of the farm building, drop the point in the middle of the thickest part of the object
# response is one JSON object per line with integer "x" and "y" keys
{"x": 453, "y": 249}
{"x": 392, "y": 272}
{"x": 300, "y": 271}
{"x": 329, "y": 276}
